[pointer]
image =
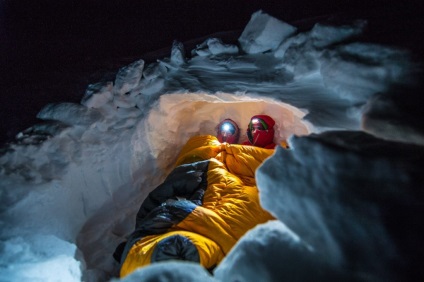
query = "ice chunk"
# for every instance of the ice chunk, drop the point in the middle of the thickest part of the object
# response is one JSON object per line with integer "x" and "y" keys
{"x": 34, "y": 258}
{"x": 354, "y": 198}
{"x": 214, "y": 46}
{"x": 324, "y": 35}
{"x": 69, "y": 113}
{"x": 272, "y": 252}
{"x": 153, "y": 71}
{"x": 264, "y": 33}
{"x": 98, "y": 94}
{"x": 153, "y": 82}
{"x": 170, "y": 271}
{"x": 128, "y": 77}
{"x": 153, "y": 86}
{"x": 124, "y": 101}
{"x": 296, "y": 40}
{"x": 393, "y": 116}
{"x": 358, "y": 70}
{"x": 38, "y": 133}
{"x": 178, "y": 56}
{"x": 301, "y": 60}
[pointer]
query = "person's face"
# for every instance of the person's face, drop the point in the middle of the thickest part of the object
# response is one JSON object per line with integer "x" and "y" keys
{"x": 257, "y": 126}
{"x": 226, "y": 134}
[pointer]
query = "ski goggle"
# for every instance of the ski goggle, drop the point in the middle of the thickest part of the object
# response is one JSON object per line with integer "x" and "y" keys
{"x": 257, "y": 123}
{"x": 228, "y": 127}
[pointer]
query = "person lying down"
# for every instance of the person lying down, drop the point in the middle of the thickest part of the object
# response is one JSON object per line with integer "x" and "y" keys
{"x": 204, "y": 206}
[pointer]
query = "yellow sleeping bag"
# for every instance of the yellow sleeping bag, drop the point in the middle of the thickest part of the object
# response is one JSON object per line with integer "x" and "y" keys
{"x": 203, "y": 207}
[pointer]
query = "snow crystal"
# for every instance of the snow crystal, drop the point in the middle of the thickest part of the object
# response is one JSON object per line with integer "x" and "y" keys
{"x": 264, "y": 33}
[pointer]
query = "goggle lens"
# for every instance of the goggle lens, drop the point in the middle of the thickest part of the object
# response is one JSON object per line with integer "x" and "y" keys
{"x": 258, "y": 124}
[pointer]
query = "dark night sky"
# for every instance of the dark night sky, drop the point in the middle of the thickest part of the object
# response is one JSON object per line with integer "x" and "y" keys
{"x": 51, "y": 50}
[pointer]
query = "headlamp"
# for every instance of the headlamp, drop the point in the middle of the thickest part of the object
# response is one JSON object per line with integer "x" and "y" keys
{"x": 228, "y": 128}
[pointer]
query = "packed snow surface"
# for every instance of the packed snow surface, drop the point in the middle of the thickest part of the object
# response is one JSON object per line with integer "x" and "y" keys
{"x": 347, "y": 195}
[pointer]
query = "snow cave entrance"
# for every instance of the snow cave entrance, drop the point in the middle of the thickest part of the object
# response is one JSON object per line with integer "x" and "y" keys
{"x": 178, "y": 117}
{"x": 155, "y": 146}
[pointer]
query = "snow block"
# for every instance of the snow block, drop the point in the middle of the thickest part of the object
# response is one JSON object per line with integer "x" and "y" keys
{"x": 153, "y": 71}
{"x": 273, "y": 252}
{"x": 264, "y": 33}
{"x": 124, "y": 101}
{"x": 69, "y": 113}
{"x": 97, "y": 95}
{"x": 38, "y": 133}
{"x": 178, "y": 54}
{"x": 153, "y": 86}
{"x": 384, "y": 116}
{"x": 214, "y": 46}
{"x": 32, "y": 264}
{"x": 297, "y": 40}
{"x": 170, "y": 271}
{"x": 356, "y": 199}
{"x": 128, "y": 77}
{"x": 356, "y": 71}
{"x": 325, "y": 35}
